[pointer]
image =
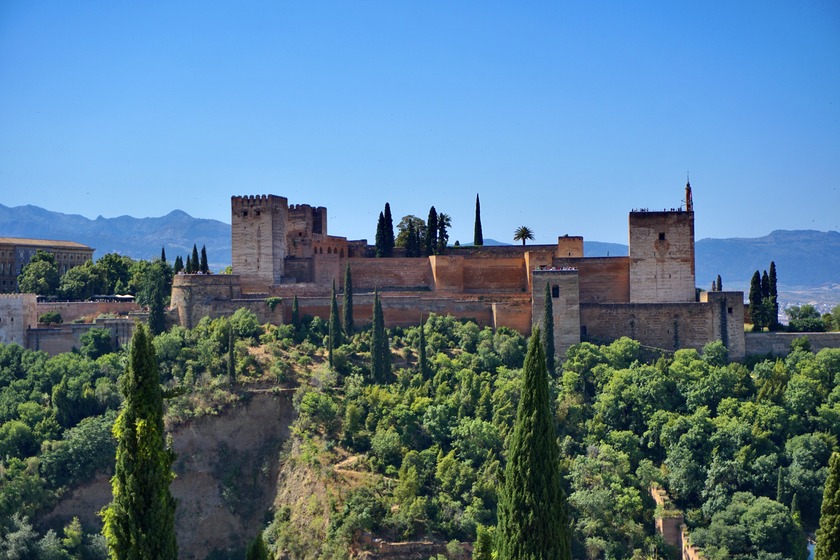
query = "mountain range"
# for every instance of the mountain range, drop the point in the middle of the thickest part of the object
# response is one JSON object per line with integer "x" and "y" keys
{"x": 805, "y": 259}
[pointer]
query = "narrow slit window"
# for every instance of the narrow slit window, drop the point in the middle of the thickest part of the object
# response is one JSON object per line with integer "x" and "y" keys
{"x": 555, "y": 291}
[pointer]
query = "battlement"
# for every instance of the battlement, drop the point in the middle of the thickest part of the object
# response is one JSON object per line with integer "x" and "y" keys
{"x": 257, "y": 199}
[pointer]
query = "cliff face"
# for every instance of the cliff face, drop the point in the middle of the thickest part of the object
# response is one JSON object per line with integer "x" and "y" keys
{"x": 226, "y": 469}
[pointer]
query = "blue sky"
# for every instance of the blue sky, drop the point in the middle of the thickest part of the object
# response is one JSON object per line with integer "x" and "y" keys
{"x": 562, "y": 115}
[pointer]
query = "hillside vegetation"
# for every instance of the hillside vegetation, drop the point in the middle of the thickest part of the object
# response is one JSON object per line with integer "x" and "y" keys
{"x": 742, "y": 448}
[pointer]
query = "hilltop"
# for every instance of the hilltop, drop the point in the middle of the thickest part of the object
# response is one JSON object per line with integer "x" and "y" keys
{"x": 808, "y": 261}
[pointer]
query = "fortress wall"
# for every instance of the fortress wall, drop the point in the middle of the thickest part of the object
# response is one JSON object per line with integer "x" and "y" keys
{"x": 778, "y": 343}
{"x": 602, "y": 279}
{"x": 326, "y": 270}
{"x": 727, "y": 320}
{"x": 17, "y": 313}
{"x": 664, "y": 325}
{"x": 199, "y": 295}
{"x": 65, "y": 337}
{"x": 72, "y": 310}
{"x": 409, "y": 310}
{"x": 495, "y": 275}
{"x": 299, "y": 270}
{"x": 448, "y": 273}
{"x": 501, "y": 251}
{"x": 407, "y": 273}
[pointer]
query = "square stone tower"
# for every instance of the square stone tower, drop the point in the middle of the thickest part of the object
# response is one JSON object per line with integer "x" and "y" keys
{"x": 258, "y": 236}
{"x": 662, "y": 256}
{"x": 564, "y": 288}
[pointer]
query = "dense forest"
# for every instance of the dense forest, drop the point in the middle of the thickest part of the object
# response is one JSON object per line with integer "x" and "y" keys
{"x": 743, "y": 449}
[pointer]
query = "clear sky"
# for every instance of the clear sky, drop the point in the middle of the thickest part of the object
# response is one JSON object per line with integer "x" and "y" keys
{"x": 562, "y": 115}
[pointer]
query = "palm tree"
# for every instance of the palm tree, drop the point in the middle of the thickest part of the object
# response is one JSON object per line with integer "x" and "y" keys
{"x": 523, "y": 233}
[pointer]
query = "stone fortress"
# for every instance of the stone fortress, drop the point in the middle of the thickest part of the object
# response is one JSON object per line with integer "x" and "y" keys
{"x": 284, "y": 251}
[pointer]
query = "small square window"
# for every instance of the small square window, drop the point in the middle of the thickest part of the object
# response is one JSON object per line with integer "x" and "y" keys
{"x": 555, "y": 291}
{"x": 729, "y": 310}
{"x": 661, "y": 236}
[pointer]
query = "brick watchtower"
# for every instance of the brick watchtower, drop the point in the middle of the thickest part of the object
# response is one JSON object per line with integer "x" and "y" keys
{"x": 662, "y": 254}
{"x": 258, "y": 236}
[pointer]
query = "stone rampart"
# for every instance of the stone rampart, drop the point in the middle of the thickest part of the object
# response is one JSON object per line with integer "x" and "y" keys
{"x": 74, "y": 310}
{"x": 778, "y": 343}
{"x": 406, "y": 273}
{"x": 670, "y": 326}
{"x": 501, "y": 274}
{"x": 602, "y": 279}
{"x": 65, "y": 337}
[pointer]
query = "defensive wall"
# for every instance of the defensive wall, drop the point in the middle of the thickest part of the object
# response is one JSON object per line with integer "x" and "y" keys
{"x": 216, "y": 295}
{"x": 65, "y": 337}
{"x": 778, "y": 343}
{"x": 74, "y": 310}
{"x": 661, "y": 249}
{"x": 602, "y": 279}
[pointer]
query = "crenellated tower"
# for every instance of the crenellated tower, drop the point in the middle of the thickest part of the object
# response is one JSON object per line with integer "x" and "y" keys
{"x": 258, "y": 239}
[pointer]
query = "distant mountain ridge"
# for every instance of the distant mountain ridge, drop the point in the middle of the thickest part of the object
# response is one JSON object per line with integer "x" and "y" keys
{"x": 138, "y": 238}
{"x": 804, "y": 258}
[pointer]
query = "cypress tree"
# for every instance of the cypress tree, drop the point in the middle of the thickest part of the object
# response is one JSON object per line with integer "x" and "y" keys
{"x": 548, "y": 331}
{"x": 257, "y": 550}
{"x": 389, "y": 232}
{"x": 163, "y": 254}
{"x": 422, "y": 363}
{"x": 334, "y": 326}
{"x": 347, "y": 303}
{"x": 178, "y": 266}
{"x": 719, "y": 284}
{"x": 412, "y": 243}
{"x": 774, "y": 296}
{"x": 765, "y": 285}
{"x": 205, "y": 268}
{"x": 380, "y": 351}
{"x": 828, "y": 535}
{"x": 380, "y": 236}
{"x": 755, "y": 300}
{"x": 532, "y": 515}
{"x": 431, "y": 232}
{"x": 478, "y": 236}
{"x": 196, "y": 264}
{"x": 231, "y": 357}
{"x": 295, "y": 313}
{"x": 140, "y": 521}
{"x": 189, "y": 266}
{"x": 157, "y": 318}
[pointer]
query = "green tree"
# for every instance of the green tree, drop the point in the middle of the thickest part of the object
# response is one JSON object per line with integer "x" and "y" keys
{"x": 203, "y": 267}
{"x": 189, "y": 268}
{"x": 334, "y": 326}
{"x": 196, "y": 264}
{"x": 81, "y": 282}
{"x": 178, "y": 266}
{"x": 430, "y": 242}
{"x": 347, "y": 303}
{"x": 478, "y": 236}
{"x": 422, "y": 362}
{"x": 140, "y": 521}
{"x": 532, "y": 514}
{"x": 257, "y": 549}
{"x": 774, "y": 296}
{"x": 389, "y": 232}
{"x": 828, "y": 535}
{"x": 39, "y": 276}
{"x": 804, "y": 319}
{"x": 719, "y": 284}
{"x": 231, "y": 357}
{"x": 444, "y": 223}
{"x": 95, "y": 342}
{"x": 548, "y": 331}
{"x": 163, "y": 254}
{"x": 380, "y": 239}
{"x": 759, "y": 311}
{"x": 523, "y": 234}
{"x": 380, "y": 351}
